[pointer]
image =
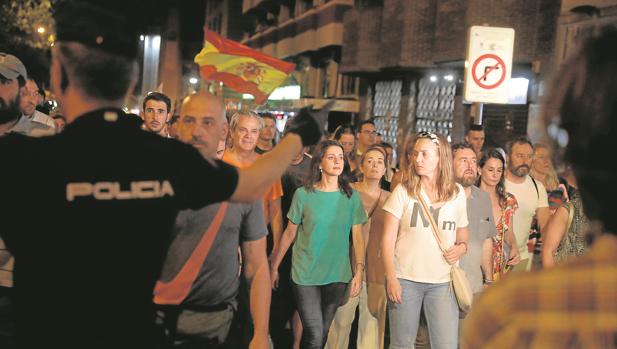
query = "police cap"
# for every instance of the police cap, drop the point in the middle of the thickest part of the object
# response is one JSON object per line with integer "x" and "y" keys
{"x": 99, "y": 24}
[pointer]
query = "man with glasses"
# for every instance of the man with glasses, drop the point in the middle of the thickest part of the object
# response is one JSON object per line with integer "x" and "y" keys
{"x": 156, "y": 113}
{"x": 33, "y": 122}
{"x": 366, "y": 137}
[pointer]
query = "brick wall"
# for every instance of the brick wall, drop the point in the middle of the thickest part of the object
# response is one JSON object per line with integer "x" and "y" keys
{"x": 420, "y": 33}
{"x": 450, "y": 30}
{"x": 361, "y": 38}
{"x": 392, "y": 32}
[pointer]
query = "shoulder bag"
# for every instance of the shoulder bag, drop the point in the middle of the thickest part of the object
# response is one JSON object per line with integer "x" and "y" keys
{"x": 460, "y": 283}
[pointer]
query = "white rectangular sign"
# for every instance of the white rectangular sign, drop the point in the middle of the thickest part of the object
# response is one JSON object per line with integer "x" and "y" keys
{"x": 488, "y": 66}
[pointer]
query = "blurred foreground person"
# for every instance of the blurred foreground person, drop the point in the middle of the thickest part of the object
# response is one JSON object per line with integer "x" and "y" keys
{"x": 573, "y": 304}
{"x": 87, "y": 264}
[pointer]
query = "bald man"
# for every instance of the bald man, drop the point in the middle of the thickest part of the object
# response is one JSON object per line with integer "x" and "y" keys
{"x": 202, "y": 123}
{"x": 203, "y": 317}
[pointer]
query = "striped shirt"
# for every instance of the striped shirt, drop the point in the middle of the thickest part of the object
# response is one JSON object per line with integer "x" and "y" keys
{"x": 570, "y": 306}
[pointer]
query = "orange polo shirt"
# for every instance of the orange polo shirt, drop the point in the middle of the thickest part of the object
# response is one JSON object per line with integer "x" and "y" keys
{"x": 274, "y": 192}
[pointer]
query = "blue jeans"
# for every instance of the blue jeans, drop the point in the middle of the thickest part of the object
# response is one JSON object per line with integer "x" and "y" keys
{"x": 441, "y": 312}
{"x": 316, "y": 307}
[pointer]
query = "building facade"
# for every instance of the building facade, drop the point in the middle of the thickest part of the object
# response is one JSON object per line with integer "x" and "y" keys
{"x": 411, "y": 57}
{"x": 308, "y": 33}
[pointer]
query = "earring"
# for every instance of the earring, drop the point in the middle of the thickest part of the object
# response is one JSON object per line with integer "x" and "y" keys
{"x": 320, "y": 170}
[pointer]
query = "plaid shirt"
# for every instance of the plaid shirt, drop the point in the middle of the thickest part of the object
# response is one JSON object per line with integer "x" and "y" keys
{"x": 573, "y": 305}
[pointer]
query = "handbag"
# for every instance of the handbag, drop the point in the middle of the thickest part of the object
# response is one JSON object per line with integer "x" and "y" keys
{"x": 460, "y": 283}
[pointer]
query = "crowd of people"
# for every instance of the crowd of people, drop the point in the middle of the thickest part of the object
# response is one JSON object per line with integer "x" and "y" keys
{"x": 198, "y": 231}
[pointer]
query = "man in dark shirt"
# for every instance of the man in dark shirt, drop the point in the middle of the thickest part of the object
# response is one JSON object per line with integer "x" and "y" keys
{"x": 86, "y": 265}
{"x": 283, "y": 306}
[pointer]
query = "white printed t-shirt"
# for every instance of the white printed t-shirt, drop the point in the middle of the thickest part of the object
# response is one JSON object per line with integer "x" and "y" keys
{"x": 417, "y": 256}
{"x": 528, "y": 201}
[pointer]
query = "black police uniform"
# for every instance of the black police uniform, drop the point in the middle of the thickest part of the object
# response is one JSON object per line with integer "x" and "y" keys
{"x": 88, "y": 215}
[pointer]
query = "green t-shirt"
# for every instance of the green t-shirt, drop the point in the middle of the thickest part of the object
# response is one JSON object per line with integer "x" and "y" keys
{"x": 321, "y": 251}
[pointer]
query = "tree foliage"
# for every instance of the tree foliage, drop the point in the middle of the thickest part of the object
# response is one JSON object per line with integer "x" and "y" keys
{"x": 21, "y": 21}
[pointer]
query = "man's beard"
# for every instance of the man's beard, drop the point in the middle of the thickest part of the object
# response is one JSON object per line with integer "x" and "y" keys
{"x": 9, "y": 112}
{"x": 521, "y": 171}
{"x": 465, "y": 181}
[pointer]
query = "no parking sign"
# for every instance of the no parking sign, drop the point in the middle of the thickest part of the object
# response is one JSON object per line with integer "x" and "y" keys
{"x": 489, "y": 64}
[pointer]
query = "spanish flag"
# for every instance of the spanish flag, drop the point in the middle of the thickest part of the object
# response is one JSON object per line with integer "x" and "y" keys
{"x": 240, "y": 67}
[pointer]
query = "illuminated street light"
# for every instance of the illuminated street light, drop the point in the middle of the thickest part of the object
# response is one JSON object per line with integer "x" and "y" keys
{"x": 193, "y": 80}
{"x": 41, "y": 30}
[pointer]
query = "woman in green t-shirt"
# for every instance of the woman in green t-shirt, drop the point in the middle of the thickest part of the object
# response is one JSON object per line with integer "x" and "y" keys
{"x": 321, "y": 216}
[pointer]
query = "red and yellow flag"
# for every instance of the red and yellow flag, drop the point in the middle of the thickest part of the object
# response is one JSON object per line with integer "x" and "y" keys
{"x": 240, "y": 67}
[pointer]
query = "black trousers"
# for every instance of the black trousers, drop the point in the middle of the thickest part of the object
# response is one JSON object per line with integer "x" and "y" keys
{"x": 317, "y": 306}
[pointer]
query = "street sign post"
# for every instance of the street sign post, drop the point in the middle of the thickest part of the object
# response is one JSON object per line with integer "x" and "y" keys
{"x": 488, "y": 65}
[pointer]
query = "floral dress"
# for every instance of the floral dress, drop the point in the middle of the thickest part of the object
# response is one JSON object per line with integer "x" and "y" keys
{"x": 499, "y": 254}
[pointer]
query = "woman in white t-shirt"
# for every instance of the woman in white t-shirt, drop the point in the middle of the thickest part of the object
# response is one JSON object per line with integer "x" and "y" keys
{"x": 417, "y": 271}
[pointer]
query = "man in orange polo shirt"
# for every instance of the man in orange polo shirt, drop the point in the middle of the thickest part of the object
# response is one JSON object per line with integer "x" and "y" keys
{"x": 245, "y": 128}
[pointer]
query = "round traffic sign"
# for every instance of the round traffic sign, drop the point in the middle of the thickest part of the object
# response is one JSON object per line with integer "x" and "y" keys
{"x": 488, "y": 71}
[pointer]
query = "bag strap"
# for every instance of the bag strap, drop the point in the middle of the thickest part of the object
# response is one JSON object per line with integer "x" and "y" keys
{"x": 370, "y": 214}
{"x": 176, "y": 290}
{"x": 431, "y": 220}
{"x": 535, "y": 185}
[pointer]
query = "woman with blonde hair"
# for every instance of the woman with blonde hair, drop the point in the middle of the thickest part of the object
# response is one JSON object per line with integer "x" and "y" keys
{"x": 542, "y": 170}
{"x": 417, "y": 271}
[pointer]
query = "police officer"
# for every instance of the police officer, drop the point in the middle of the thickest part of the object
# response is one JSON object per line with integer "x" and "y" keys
{"x": 90, "y": 236}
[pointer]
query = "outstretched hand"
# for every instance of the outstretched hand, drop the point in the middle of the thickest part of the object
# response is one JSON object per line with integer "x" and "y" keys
{"x": 309, "y": 123}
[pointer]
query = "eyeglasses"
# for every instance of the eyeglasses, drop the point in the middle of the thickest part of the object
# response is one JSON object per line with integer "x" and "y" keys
{"x": 430, "y": 135}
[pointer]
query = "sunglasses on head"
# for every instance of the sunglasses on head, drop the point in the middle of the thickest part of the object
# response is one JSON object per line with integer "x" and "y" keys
{"x": 430, "y": 135}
